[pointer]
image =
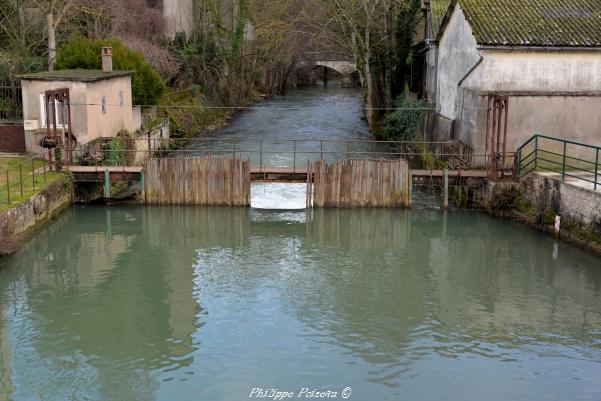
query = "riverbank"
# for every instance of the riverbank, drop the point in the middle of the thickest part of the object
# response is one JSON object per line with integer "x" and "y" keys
{"x": 191, "y": 113}
{"x": 18, "y": 222}
{"x": 535, "y": 201}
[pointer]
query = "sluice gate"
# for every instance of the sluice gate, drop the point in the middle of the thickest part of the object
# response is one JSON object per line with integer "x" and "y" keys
{"x": 359, "y": 183}
{"x": 211, "y": 181}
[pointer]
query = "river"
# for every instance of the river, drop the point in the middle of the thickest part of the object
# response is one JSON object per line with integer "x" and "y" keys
{"x": 200, "y": 303}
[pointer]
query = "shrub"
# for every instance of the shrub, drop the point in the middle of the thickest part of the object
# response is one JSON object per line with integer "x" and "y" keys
{"x": 402, "y": 124}
{"x": 79, "y": 52}
{"x": 503, "y": 199}
{"x": 115, "y": 151}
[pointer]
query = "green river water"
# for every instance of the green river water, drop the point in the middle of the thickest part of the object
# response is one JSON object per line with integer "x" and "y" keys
{"x": 206, "y": 304}
{"x": 190, "y": 303}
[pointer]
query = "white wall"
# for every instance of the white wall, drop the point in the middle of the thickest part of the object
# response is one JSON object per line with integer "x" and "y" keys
{"x": 543, "y": 71}
{"x": 457, "y": 54}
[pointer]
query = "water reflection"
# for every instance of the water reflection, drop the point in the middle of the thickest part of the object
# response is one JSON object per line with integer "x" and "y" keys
{"x": 169, "y": 302}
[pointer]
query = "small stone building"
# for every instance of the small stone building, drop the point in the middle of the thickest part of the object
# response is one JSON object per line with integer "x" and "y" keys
{"x": 100, "y": 103}
{"x": 544, "y": 56}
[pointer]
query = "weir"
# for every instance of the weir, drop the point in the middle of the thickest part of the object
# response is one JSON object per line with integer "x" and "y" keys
{"x": 336, "y": 173}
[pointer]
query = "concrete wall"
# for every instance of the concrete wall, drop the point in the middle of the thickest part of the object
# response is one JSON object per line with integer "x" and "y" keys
{"x": 457, "y": 55}
{"x": 179, "y": 17}
{"x": 577, "y": 118}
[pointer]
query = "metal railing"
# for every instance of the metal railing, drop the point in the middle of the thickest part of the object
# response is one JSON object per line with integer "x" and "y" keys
{"x": 22, "y": 180}
{"x": 11, "y": 104}
{"x": 269, "y": 153}
{"x": 573, "y": 160}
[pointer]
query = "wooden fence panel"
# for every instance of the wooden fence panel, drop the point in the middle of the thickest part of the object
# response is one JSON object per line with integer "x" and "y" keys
{"x": 358, "y": 183}
{"x": 213, "y": 181}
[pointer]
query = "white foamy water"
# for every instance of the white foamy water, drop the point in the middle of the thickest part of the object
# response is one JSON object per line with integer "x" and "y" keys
{"x": 278, "y": 196}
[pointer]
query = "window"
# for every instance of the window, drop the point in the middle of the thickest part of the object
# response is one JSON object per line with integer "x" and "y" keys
{"x": 103, "y": 105}
{"x": 121, "y": 98}
{"x": 57, "y": 108}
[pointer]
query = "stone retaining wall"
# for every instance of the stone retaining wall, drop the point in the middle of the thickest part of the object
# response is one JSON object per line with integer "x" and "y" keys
{"x": 16, "y": 222}
{"x": 569, "y": 201}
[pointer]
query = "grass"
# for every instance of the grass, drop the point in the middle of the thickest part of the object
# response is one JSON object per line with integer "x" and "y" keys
{"x": 21, "y": 187}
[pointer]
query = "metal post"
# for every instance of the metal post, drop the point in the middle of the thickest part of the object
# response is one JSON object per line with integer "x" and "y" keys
{"x": 446, "y": 189}
{"x": 143, "y": 185}
{"x": 33, "y": 174}
{"x": 261, "y": 155}
{"x": 563, "y": 165}
{"x": 535, "y": 152}
{"x": 107, "y": 184}
{"x": 7, "y": 188}
{"x": 596, "y": 168}
{"x": 45, "y": 171}
{"x": 21, "y": 178}
{"x": 294, "y": 161}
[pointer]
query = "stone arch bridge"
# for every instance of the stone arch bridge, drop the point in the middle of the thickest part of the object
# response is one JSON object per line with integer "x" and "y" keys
{"x": 344, "y": 67}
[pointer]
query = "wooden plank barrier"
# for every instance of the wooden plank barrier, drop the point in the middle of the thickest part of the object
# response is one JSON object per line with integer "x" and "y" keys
{"x": 359, "y": 183}
{"x": 211, "y": 181}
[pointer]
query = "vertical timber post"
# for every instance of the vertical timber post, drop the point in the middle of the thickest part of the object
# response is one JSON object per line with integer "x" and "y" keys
{"x": 446, "y": 189}
{"x": 107, "y": 184}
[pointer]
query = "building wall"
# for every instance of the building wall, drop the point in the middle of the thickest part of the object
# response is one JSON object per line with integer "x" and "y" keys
{"x": 88, "y": 122}
{"x": 576, "y": 118}
{"x": 31, "y": 109}
{"x": 430, "y": 73}
{"x": 117, "y": 116}
{"x": 543, "y": 71}
{"x": 457, "y": 55}
{"x": 179, "y": 17}
{"x": 554, "y": 93}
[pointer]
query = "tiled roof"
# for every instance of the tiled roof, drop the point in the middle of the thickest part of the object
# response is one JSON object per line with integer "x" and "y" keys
{"x": 560, "y": 23}
{"x": 75, "y": 75}
{"x": 438, "y": 9}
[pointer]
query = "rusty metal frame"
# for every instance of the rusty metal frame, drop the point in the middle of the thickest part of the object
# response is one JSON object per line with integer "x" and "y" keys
{"x": 496, "y": 134}
{"x": 61, "y": 96}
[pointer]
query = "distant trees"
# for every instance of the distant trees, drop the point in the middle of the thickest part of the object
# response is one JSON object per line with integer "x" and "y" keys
{"x": 379, "y": 34}
{"x": 22, "y": 46}
{"x": 237, "y": 48}
{"x": 80, "y": 52}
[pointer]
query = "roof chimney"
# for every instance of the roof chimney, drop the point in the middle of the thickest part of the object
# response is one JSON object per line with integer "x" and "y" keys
{"x": 107, "y": 59}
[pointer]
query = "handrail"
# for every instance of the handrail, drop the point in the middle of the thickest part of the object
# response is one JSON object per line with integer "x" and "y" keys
{"x": 572, "y": 153}
{"x": 293, "y": 150}
{"x": 9, "y": 178}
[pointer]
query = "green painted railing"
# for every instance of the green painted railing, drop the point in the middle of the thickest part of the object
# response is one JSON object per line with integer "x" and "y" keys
{"x": 574, "y": 160}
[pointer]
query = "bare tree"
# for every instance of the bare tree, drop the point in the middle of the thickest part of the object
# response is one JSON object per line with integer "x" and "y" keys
{"x": 56, "y": 11}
